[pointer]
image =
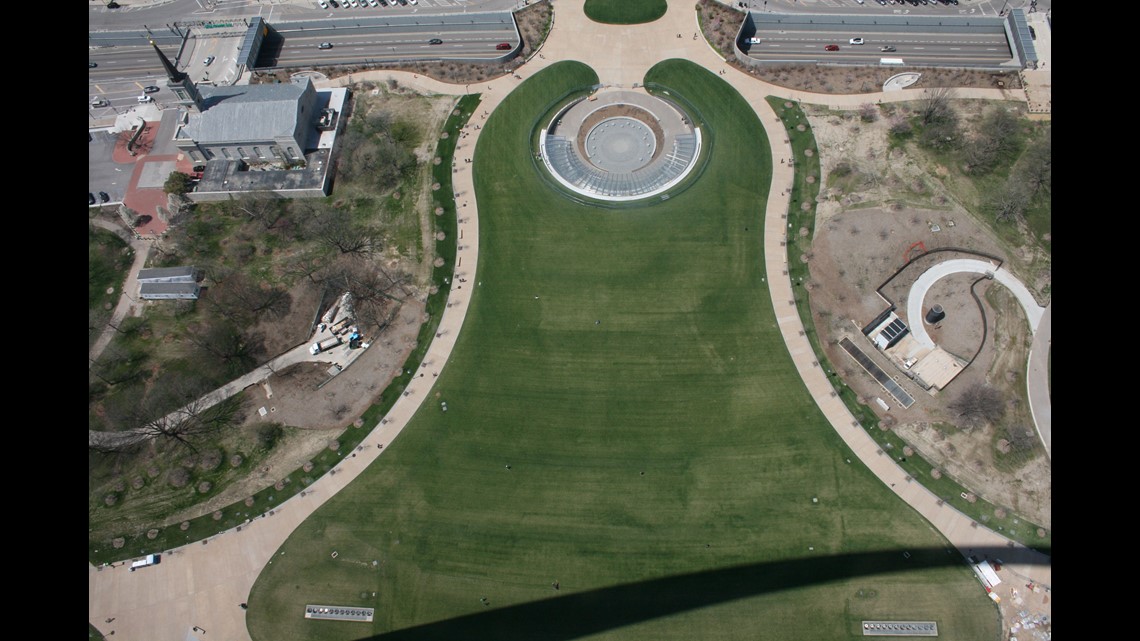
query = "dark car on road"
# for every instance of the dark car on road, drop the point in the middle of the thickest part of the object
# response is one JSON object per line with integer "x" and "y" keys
{"x": 503, "y": 46}
{"x": 325, "y": 45}
{"x": 831, "y": 48}
{"x": 435, "y": 41}
{"x": 150, "y": 89}
{"x": 103, "y": 197}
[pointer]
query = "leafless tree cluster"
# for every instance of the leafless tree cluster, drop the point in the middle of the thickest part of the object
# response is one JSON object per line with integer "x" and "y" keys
{"x": 266, "y": 208}
{"x": 336, "y": 230}
{"x": 225, "y": 347}
{"x": 376, "y": 290}
{"x": 940, "y": 129}
{"x": 149, "y": 416}
{"x": 994, "y": 141}
{"x": 868, "y": 112}
{"x": 978, "y": 405}
{"x": 1031, "y": 176}
{"x": 378, "y": 149}
{"x": 244, "y": 301}
{"x": 1021, "y": 438}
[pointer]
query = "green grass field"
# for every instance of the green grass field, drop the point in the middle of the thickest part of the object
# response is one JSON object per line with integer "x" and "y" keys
{"x": 625, "y": 11}
{"x": 664, "y": 454}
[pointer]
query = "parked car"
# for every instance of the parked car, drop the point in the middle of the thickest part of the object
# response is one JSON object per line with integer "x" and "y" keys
{"x": 373, "y": 3}
{"x": 90, "y": 198}
{"x": 503, "y": 46}
{"x": 322, "y": 4}
{"x": 831, "y": 48}
{"x": 150, "y": 89}
{"x": 435, "y": 41}
{"x": 325, "y": 45}
{"x": 208, "y": 61}
{"x": 887, "y": 48}
{"x": 856, "y": 41}
{"x": 103, "y": 197}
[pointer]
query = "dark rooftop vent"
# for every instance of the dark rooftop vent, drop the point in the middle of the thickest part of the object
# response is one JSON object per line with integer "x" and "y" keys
{"x": 935, "y": 315}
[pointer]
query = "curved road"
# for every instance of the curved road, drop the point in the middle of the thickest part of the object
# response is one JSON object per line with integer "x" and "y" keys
{"x": 202, "y": 584}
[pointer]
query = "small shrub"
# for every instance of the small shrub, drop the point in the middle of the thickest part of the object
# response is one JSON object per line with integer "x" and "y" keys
{"x": 268, "y": 434}
{"x": 211, "y": 459}
{"x": 179, "y": 477}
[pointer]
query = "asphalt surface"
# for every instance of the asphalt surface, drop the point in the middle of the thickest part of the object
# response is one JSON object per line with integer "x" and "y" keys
{"x": 201, "y": 585}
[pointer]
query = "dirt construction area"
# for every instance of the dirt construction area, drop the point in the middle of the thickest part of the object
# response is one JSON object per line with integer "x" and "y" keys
{"x": 882, "y": 209}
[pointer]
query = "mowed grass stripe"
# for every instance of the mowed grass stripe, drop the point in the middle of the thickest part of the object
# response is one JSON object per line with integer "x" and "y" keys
{"x": 671, "y": 439}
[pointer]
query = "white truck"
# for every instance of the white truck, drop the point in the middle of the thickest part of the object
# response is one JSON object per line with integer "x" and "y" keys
{"x": 150, "y": 559}
{"x": 325, "y": 345}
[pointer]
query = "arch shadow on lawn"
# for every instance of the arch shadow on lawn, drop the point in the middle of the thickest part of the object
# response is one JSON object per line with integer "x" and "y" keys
{"x": 595, "y": 611}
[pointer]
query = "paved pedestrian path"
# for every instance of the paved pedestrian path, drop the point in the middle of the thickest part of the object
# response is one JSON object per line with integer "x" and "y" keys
{"x": 201, "y": 584}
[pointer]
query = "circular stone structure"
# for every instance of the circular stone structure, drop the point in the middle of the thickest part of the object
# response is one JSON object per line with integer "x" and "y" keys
{"x": 620, "y": 145}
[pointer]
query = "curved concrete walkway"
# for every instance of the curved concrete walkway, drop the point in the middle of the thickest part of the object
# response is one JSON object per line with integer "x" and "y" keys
{"x": 918, "y": 290}
{"x": 128, "y": 305}
{"x": 1037, "y": 374}
{"x": 202, "y": 584}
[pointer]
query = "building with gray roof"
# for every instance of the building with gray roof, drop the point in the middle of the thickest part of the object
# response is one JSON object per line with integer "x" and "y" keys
{"x": 168, "y": 275}
{"x": 258, "y": 124}
{"x": 169, "y": 291}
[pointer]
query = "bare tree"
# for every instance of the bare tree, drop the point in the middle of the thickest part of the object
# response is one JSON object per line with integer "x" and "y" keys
{"x": 264, "y": 207}
{"x": 994, "y": 141}
{"x": 243, "y": 301}
{"x": 310, "y": 264}
{"x": 868, "y": 112}
{"x": 977, "y": 405}
{"x": 221, "y": 347}
{"x": 1010, "y": 202}
{"x": 375, "y": 291}
{"x": 118, "y": 364}
{"x": 934, "y": 106}
{"x": 1021, "y": 438}
{"x": 1035, "y": 168}
{"x": 900, "y": 126}
{"x": 336, "y": 230}
{"x": 175, "y": 407}
{"x": 191, "y": 421}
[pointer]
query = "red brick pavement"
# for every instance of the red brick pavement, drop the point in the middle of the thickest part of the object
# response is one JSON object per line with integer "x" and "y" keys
{"x": 146, "y": 200}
